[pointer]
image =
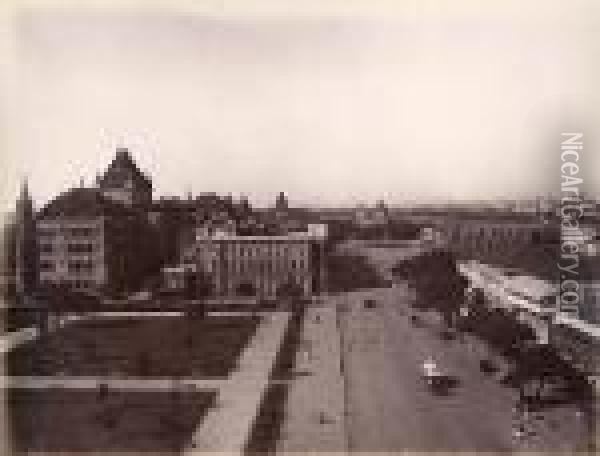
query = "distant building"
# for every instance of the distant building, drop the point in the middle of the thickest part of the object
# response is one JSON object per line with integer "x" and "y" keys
{"x": 281, "y": 203}
{"x": 260, "y": 265}
{"x": 490, "y": 234}
{"x": 371, "y": 216}
{"x": 244, "y": 206}
{"x": 518, "y": 242}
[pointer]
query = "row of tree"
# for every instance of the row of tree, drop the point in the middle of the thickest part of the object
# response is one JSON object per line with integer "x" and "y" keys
{"x": 439, "y": 286}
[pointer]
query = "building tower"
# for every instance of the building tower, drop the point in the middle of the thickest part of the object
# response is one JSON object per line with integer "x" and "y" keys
{"x": 281, "y": 203}
{"x": 124, "y": 182}
{"x": 25, "y": 242}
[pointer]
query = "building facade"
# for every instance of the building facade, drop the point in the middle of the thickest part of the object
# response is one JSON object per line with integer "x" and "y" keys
{"x": 88, "y": 242}
{"x": 490, "y": 235}
{"x": 72, "y": 252}
{"x": 264, "y": 265}
{"x": 366, "y": 216}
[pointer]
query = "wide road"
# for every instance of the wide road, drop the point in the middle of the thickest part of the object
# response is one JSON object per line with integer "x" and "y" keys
{"x": 388, "y": 406}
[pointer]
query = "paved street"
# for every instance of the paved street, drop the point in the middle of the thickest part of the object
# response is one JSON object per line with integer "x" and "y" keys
{"x": 389, "y": 407}
{"x": 314, "y": 418}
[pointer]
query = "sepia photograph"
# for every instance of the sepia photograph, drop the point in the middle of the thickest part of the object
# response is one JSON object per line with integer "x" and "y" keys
{"x": 272, "y": 227}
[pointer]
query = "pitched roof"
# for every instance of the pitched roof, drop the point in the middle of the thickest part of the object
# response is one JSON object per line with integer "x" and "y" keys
{"x": 121, "y": 168}
{"x": 82, "y": 202}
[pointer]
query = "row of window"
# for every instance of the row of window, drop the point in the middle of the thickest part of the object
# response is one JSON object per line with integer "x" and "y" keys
{"x": 80, "y": 266}
{"x": 70, "y": 231}
{"x": 46, "y": 248}
{"x": 499, "y": 233}
{"x": 87, "y": 247}
{"x": 272, "y": 260}
{"x": 73, "y": 266}
{"x": 80, "y": 248}
{"x": 46, "y": 266}
{"x": 269, "y": 265}
{"x": 270, "y": 251}
{"x": 77, "y": 284}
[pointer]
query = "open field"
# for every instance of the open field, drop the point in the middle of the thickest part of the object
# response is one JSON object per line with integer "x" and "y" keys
{"x": 89, "y": 420}
{"x": 137, "y": 347}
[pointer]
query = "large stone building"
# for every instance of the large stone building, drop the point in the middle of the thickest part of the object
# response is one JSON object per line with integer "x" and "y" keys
{"x": 259, "y": 265}
{"x": 98, "y": 238}
{"x": 87, "y": 241}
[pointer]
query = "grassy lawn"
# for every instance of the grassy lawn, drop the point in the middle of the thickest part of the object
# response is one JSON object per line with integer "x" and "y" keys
{"x": 84, "y": 420}
{"x": 138, "y": 347}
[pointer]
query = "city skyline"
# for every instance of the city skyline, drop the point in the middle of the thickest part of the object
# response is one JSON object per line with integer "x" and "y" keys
{"x": 420, "y": 104}
{"x": 269, "y": 200}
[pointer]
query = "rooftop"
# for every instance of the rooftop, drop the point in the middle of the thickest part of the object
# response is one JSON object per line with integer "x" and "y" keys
{"x": 121, "y": 167}
{"x": 82, "y": 202}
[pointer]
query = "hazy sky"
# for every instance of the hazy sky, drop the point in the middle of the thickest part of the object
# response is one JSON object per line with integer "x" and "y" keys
{"x": 363, "y": 99}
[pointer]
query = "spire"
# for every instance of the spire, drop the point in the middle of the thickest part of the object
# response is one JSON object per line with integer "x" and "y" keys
{"x": 122, "y": 151}
{"x": 281, "y": 202}
{"x": 25, "y": 253}
{"x": 244, "y": 202}
{"x": 24, "y": 204}
{"x": 123, "y": 157}
{"x": 25, "y": 190}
